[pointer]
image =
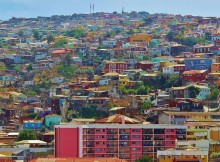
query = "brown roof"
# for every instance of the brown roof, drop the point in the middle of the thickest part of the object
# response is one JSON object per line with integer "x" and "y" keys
{"x": 118, "y": 118}
{"x": 194, "y": 71}
{"x": 77, "y": 160}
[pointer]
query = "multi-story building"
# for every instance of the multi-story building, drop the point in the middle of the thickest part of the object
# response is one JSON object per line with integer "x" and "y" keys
{"x": 202, "y": 49}
{"x": 179, "y": 118}
{"x": 198, "y": 64}
{"x": 144, "y": 65}
{"x": 194, "y": 75}
{"x": 125, "y": 141}
{"x": 118, "y": 67}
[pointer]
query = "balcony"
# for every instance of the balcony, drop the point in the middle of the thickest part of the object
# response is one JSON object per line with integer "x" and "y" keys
{"x": 147, "y": 131}
{"x": 124, "y": 132}
{"x": 124, "y": 151}
{"x": 112, "y": 138}
{"x": 90, "y": 151}
{"x": 124, "y": 144}
{"x": 124, "y": 137}
{"x": 89, "y": 145}
{"x": 112, "y": 132}
{"x": 159, "y": 144}
{"x": 180, "y": 131}
{"x": 150, "y": 144}
{"x": 147, "y": 137}
{"x": 148, "y": 150}
{"x": 112, "y": 145}
{"x": 158, "y": 131}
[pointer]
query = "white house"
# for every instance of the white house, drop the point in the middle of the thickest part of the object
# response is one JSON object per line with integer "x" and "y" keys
{"x": 168, "y": 70}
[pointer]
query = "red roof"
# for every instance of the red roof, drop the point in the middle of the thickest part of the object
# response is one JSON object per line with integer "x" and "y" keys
{"x": 118, "y": 118}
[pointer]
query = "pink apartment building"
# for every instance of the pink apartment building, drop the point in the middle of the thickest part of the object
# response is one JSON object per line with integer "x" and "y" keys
{"x": 124, "y": 141}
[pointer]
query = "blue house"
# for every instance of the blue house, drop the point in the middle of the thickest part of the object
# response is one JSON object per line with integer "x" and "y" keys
{"x": 198, "y": 64}
{"x": 32, "y": 124}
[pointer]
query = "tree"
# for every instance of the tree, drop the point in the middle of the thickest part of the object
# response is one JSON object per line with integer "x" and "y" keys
{"x": 76, "y": 33}
{"x": 213, "y": 95}
{"x": 29, "y": 67}
{"x": 36, "y": 34}
{"x": 26, "y": 135}
{"x": 189, "y": 41}
{"x": 15, "y": 68}
{"x": 50, "y": 38}
{"x": 21, "y": 33}
{"x": 144, "y": 158}
{"x": 131, "y": 31}
{"x": 67, "y": 59}
{"x": 147, "y": 104}
{"x": 193, "y": 91}
{"x": 208, "y": 36}
{"x": 170, "y": 36}
{"x": 60, "y": 43}
{"x": 2, "y": 67}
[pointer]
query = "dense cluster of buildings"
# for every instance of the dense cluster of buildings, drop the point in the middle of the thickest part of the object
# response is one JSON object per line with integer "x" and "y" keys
{"x": 133, "y": 84}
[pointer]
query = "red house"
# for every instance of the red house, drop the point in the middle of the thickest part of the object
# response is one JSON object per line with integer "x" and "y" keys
{"x": 144, "y": 65}
{"x": 180, "y": 68}
{"x": 118, "y": 67}
{"x": 194, "y": 75}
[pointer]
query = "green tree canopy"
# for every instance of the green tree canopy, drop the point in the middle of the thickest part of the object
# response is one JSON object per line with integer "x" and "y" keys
{"x": 147, "y": 104}
{"x": 213, "y": 94}
{"x": 36, "y": 34}
{"x": 50, "y": 38}
{"x": 21, "y": 33}
{"x": 144, "y": 158}
{"x": 76, "y": 33}
{"x": 26, "y": 135}
{"x": 2, "y": 67}
{"x": 193, "y": 91}
{"x": 60, "y": 43}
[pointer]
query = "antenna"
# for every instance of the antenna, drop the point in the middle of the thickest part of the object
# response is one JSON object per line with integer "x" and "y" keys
{"x": 90, "y": 8}
{"x": 122, "y": 10}
{"x": 93, "y": 7}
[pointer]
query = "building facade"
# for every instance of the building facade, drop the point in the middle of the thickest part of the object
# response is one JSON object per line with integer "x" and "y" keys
{"x": 198, "y": 64}
{"x": 125, "y": 141}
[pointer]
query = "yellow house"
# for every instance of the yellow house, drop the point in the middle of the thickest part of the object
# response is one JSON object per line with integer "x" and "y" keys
{"x": 166, "y": 64}
{"x": 186, "y": 153}
{"x": 123, "y": 80}
{"x": 145, "y": 38}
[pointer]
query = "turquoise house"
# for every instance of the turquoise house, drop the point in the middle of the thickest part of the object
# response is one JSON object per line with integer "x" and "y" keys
{"x": 51, "y": 120}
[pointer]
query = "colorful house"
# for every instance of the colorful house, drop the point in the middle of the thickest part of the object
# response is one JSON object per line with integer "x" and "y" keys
{"x": 183, "y": 154}
{"x": 32, "y": 124}
{"x": 51, "y": 120}
{"x": 118, "y": 67}
{"x": 194, "y": 75}
{"x": 198, "y": 64}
